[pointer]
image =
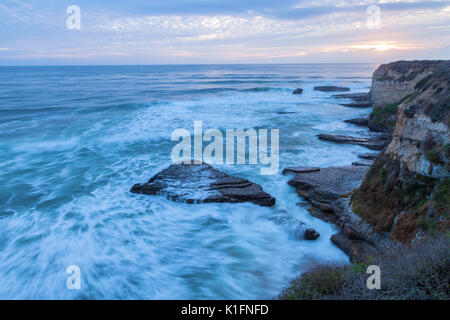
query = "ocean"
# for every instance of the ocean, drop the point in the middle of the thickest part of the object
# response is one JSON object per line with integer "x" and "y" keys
{"x": 74, "y": 140}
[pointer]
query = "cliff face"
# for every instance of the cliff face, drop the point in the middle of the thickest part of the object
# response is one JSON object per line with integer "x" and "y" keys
{"x": 407, "y": 190}
{"x": 393, "y": 82}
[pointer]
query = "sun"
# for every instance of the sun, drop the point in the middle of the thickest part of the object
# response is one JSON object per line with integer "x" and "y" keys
{"x": 378, "y": 46}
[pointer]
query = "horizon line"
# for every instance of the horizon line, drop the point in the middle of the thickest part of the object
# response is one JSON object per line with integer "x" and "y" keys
{"x": 185, "y": 64}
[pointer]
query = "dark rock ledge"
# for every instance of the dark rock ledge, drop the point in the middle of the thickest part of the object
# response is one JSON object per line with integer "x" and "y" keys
{"x": 359, "y": 100}
{"x": 328, "y": 191}
{"x": 357, "y": 97}
{"x": 201, "y": 183}
{"x": 375, "y": 142}
{"x": 358, "y": 121}
{"x": 331, "y": 88}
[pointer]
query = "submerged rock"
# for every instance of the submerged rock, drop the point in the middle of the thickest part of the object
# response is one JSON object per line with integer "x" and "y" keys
{"x": 331, "y": 88}
{"x": 298, "y": 91}
{"x": 201, "y": 183}
{"x": 286, "y": 112}
{"x": 311, "y": 234}
{"x": 296, "y": 228}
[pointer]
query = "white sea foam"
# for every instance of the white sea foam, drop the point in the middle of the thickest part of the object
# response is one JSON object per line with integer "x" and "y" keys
{"x": 66, "y": 184}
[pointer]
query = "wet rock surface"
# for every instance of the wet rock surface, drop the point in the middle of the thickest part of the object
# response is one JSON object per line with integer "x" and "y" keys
{"x": 328, "y": 192}
{"x": 368, "y": 156}
{"x": 359, "y": 121}
{"x": 357, "y": 104}
{"x": 359, "y": 100}
{"x": 375, "y": 142}
{"x": 296, "y": 228}
{"x": 354, "y": 96}
{"x": 300, "y": 169}
{"x": 298, "y": 91}
{"x": 201, "y": 183}
{"x": 362, "y": 163}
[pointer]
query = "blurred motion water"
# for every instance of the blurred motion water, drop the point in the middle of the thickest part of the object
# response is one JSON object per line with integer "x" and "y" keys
{"x": 75, "y": 139}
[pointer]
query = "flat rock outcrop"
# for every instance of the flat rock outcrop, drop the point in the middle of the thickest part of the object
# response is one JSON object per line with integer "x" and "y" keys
{"x": 364, "y": 122}
{"x": 357, "y": 104}
{"x": 368, "y": 156}
{"x": 358, "y": 97}
{"x": 331, "y": 88}
{"x": 359, "y": 100}
{"x": 201, "y": 183}
{"x": 328, "y": 192}
{"x": 300, "y": 169}
{"x": 373, "y": 143}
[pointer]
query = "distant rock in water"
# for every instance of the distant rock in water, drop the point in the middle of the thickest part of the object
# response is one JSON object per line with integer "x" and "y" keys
{"x": 359, "y": 97}
{"x": 363, "y": 104}
{"x": 300, "y": 169}
{"x": 360, "y": 100}
{"x": 331, "y": 88}
{"x": 298, "y": 91}
{"x": 201, "y": 183}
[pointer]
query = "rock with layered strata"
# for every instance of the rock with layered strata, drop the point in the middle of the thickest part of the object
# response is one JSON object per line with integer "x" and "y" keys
{"x": 408, "y": 187}
{"x": 201, "y": 183}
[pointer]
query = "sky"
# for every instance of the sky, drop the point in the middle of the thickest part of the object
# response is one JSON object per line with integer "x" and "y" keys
{"x": 44, "y": 32}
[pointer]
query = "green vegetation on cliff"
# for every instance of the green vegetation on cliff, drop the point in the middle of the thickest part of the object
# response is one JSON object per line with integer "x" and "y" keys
{"x": 411, "y": 200}
{"x": 385, "y": 118}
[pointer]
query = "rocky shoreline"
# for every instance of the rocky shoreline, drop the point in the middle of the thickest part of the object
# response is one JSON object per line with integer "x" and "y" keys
{"x": 351, "y": 198}
{"x": 364, "y": 199}
{"x": 377, "y": 202}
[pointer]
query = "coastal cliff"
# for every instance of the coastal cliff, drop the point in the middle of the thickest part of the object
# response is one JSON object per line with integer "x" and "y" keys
{"x": 391, "y": 84}
{"x": 406, "y": 191}
{"x": 398, "y": 218}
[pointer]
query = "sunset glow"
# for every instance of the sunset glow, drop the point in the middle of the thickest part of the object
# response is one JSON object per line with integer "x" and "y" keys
{"x": 231, "y": 31}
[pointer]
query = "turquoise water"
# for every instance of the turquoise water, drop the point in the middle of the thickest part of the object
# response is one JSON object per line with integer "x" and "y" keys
{"x": 75, "y": 139}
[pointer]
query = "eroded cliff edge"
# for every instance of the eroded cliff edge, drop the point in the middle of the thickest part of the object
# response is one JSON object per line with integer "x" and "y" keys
{"x": 406, "y": 192}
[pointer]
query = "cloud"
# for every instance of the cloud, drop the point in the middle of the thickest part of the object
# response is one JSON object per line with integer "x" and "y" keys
{"x": 197, "y": 31}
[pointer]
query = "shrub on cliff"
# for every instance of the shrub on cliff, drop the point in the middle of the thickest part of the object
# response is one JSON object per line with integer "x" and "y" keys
{"x": 418, "y": 270}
